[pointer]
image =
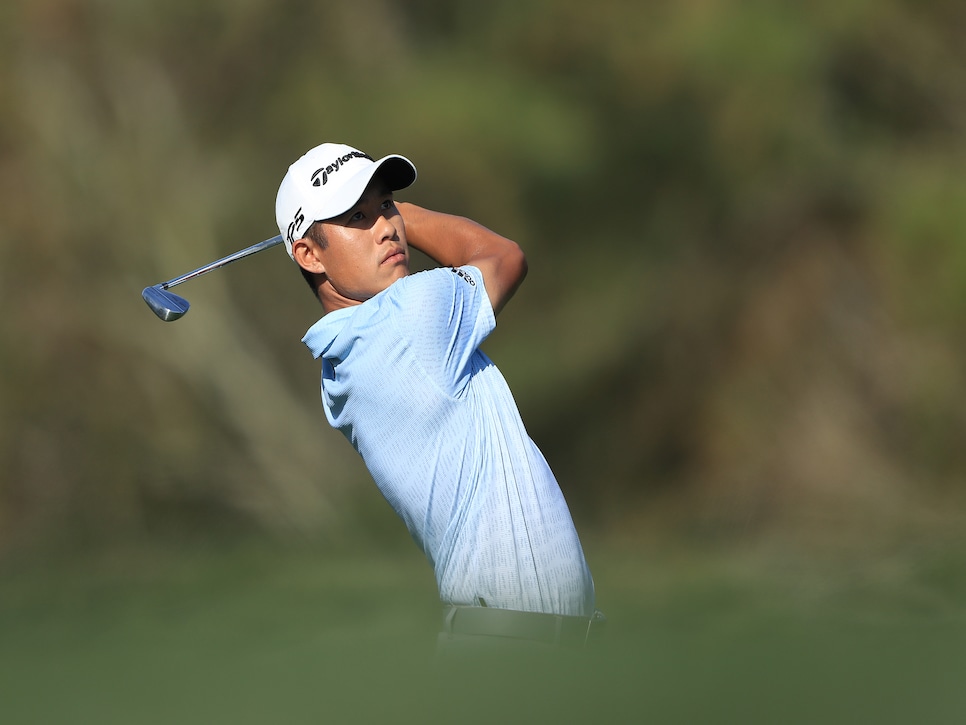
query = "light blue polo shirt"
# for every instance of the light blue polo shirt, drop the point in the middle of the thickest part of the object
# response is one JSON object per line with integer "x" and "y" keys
{"x": 404, "y": 379}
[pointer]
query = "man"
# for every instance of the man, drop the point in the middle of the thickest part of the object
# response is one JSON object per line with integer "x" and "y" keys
{"x": 404, "y": 380}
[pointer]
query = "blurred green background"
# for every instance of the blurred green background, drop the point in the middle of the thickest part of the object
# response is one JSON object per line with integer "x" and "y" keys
{"x": 740, "y": 346}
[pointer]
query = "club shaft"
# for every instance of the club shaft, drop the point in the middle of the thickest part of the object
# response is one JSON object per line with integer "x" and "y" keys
{"x": 223, "y": 261}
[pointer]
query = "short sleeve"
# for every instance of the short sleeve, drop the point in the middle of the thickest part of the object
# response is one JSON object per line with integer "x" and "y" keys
{"x": 445, "y": 315}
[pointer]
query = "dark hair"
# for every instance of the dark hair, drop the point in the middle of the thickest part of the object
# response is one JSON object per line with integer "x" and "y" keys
{"x": 316, "y": 233}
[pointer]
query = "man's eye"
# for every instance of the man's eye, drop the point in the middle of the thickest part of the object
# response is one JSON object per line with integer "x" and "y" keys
{"x": 356, "y": 217}
{"x": 387, "y": 204}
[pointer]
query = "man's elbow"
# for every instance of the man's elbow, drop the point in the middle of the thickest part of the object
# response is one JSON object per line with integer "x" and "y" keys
{"x": 517, "y": 262}
{"x": 509, "y": 270}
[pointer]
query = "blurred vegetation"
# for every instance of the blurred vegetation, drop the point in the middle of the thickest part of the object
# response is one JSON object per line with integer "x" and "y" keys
{"x": 740, "y": 346}
{"x": 257, "y": 633}
{"x": 744, "y": 223}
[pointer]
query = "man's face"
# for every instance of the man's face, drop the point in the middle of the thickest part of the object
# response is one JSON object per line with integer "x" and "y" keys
{"x": 367, "y": 249}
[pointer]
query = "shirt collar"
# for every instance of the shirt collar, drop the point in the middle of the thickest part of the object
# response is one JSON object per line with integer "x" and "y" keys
{"x": 320, "y": 336}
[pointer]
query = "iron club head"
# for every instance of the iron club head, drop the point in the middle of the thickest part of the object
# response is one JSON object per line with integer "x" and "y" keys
{"x": 166, "y": 305}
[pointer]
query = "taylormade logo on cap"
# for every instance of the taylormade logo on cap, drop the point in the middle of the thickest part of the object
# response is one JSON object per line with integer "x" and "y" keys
{"x": 321, "y": 176}
{"x": 327, "y": 181}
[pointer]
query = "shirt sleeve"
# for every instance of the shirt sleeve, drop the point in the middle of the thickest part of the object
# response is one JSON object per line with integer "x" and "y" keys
{"x": 445, "y": 315}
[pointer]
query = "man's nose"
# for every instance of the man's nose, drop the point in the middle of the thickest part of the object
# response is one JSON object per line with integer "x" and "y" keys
{"x": 384, "y": 228}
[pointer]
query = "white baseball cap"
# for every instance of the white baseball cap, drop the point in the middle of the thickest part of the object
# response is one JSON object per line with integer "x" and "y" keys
{"x": 327, "y": 181}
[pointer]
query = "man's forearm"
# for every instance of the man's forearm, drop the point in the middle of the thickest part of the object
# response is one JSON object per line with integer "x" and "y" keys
{"x": 447, "y": 239}
{"x": 453, "y": 241}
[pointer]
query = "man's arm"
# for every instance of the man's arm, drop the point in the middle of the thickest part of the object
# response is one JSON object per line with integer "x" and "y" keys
{"x": 453, "y": 241}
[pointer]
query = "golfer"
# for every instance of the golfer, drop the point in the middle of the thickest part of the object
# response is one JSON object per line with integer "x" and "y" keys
{"x": 403, "y": 378}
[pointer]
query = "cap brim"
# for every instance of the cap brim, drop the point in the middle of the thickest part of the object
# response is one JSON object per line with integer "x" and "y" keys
{"x": 397, "y": 171}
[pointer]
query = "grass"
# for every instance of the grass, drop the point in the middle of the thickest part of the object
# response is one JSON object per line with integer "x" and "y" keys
{"x": 250, "y": 631}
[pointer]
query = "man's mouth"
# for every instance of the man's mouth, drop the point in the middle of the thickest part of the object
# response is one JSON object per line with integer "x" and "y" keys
{"x": 396, "y": 257}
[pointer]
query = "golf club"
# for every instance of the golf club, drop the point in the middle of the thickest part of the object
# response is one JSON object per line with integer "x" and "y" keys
{"x": 169, "y": 306}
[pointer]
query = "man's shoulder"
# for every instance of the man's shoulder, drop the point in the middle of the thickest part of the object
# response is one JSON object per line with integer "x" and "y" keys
{"x": 432, "y": 300}
{"x": 439, "y": 280}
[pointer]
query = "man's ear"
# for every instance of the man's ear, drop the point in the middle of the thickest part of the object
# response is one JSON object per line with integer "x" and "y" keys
{"x": 306, "y": 253}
